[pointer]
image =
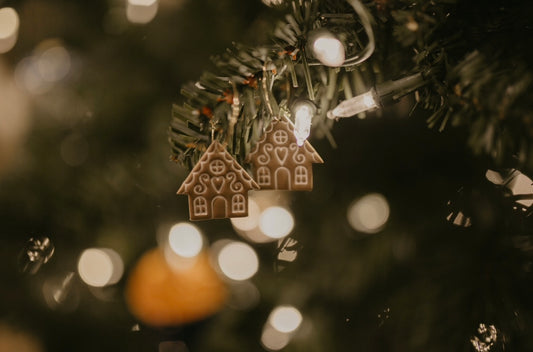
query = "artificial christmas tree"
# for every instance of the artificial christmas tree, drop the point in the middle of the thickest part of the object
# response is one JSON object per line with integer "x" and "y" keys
{"x": 413, "y": 238}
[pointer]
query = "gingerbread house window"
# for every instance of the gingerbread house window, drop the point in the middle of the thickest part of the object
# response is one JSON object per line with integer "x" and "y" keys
{"x": 300, "y": 175}
{"x": 238, "y": 204}
{"x": 280, "y": 137}
{"x": 263, "y": 175}
{"x": 200, "y": 206}
{"x": 217, "y": 167}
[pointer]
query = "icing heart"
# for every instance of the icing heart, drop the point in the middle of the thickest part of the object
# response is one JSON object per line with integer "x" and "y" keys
{"x": 218, "y": 183}
{"x": 281, "y": 154}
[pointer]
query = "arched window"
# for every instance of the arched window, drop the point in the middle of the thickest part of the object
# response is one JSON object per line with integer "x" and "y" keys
{"x": 238, "y": 205}
{"x": 280, "y": 137}
{"x": 263, "y": 176}
{"x": 300, "y": 175}
{"x": 200, "y": 206}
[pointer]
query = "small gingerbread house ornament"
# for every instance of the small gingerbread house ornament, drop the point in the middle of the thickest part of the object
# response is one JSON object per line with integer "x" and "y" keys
{"x": 279, "y": 163}
{"x": 217, "y": 186}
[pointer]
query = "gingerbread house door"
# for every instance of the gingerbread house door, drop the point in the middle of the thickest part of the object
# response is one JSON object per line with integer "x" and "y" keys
{"x": 282, "y": 178}
{"x": 219, "y": 207}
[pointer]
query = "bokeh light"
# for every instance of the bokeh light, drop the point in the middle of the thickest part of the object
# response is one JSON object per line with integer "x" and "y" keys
{"x": 14, "y": 119}
{"x": 185, "y": 240}
{"x": 49, "y": 64}
{"x": 244, "y": 295}
{"x": 141, "y": 11}
{"x": 369, "y": 214}
{"x": 276, "y": 222}
{"x": 100, "y": 267}
{"x": 60, "y": 293}
{"x": 9, "y": 27}
{"x": 273, "y": 339}
{"x": 250, "y": 222}
{"x": 285, "y": 319}
{"x": 13, "y": 339}
{"x": 53, "y": 62}
{"x": 237, "y": 260}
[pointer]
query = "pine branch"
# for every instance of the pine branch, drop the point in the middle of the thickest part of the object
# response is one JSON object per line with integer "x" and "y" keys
{"x": 471, "y": 80}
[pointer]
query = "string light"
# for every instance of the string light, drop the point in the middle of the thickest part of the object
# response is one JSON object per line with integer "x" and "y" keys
{"x": 327, "y": 48}
{"x": 355, "y": 105}
{"x": 375, "y": 97}
{"x": 9, "y": 27}
{"x": 303, "y": 111}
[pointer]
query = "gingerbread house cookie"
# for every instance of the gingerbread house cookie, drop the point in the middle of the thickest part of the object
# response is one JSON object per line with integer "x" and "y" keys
{"x": 279, "y": 163}
{"x": 217, "y": 186}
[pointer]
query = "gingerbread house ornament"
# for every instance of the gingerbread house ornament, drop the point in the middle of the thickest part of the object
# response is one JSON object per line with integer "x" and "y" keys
{"x": 217, "y": 186}
{"x": 279, "y": 163}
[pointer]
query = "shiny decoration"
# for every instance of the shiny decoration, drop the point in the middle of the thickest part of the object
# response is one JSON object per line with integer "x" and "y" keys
{"x": 159, "y": 295}
{"x": 38, "y": 251}
{"x": 487, "y": 336}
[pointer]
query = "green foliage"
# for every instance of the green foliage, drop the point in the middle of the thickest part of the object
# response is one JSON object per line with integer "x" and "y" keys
{"x": 478, "y": 79}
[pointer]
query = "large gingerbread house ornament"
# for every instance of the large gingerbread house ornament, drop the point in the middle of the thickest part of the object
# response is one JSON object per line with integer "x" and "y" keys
{"x": 279, "y": 163}
{"x": 217, "y": 186}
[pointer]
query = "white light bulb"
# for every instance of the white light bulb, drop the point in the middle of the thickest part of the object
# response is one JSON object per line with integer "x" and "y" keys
{"x": 9, "y": 28}
{"x": 303, "y": 115}
{"x": 185, "y": 240}
{"x": 329, "y": 50}
{"x": 355, "y": 105}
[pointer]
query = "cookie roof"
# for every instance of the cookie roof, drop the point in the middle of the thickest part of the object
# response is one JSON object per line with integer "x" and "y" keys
{"x": 216, "y": 151}
{"x": 306, "y": 149}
